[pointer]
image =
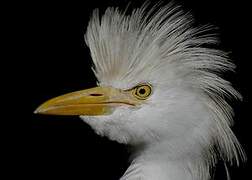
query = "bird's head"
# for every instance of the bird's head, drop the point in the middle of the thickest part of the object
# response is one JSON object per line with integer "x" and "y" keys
{"x": 141, "y": 112}
{"x": 158, "y": 79}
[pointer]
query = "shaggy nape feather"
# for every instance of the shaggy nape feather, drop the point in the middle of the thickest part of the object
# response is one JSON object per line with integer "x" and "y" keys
{"x": 160, "y": 45}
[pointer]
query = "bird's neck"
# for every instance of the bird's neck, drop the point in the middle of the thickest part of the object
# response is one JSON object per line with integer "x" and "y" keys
{"x": 157, "y": 170}
{"x": 158, "y": 163}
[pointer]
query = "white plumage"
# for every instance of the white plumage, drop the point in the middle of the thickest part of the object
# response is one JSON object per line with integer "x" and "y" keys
{"x": 183, "y": 128}
{"x": 187, "y": 117}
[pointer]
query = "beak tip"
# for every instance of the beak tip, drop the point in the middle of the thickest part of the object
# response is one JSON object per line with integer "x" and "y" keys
{"x": 39, "y": 110}
{"x": 36, "y": 111}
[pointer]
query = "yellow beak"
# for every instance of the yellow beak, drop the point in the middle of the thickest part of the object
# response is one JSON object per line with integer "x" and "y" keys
{"x": 94, "y": 101}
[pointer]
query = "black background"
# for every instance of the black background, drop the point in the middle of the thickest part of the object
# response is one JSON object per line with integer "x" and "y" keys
{"x": 51, "y": 59}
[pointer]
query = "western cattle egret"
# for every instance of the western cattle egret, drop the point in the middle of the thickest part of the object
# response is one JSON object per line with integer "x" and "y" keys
{"x": 160, "y": 90}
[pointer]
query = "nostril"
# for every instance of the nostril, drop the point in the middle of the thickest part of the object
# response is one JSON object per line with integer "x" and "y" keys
{"x": 96, "y": 94}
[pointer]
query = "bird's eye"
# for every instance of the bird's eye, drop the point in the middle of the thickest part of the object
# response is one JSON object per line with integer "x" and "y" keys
{"x": 142, "y": 91}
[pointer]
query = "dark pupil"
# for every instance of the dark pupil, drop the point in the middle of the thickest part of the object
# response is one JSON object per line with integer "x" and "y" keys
{"x": 142, "y": 91}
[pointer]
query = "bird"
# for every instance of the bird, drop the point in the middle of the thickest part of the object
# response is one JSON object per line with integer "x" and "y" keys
{"x": 160, "y": 89}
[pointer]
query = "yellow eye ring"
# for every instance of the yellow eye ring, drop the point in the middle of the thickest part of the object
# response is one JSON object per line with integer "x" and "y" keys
{"x": 142, "y": 91}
